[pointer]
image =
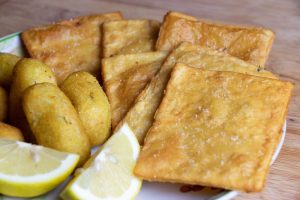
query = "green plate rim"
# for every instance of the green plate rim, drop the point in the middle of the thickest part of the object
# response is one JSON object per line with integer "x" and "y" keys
{"x": 7, "y": 37}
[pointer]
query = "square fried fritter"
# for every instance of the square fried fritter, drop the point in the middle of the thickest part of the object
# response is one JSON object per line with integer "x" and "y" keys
{"x": 125, "y": 76}
{"x": 251, "y": 44}
{"x": 129, "y": 36}
{"x": 216, "y": 129}
{"x": 140, "y": 116}
{"x": 69, "y": 46}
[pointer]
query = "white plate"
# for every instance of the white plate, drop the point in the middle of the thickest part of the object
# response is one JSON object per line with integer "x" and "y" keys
{"x": 158, "y": 191}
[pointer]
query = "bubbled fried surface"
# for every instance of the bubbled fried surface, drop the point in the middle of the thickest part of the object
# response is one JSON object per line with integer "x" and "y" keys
{"x": 251, "y": 44}
{"x": 129, "y": 36}
{"x": 125, "y": 76}
{"x": 215, "y": 129}
{"x": 140, "y": 116}
{"x": 69, "y": 46}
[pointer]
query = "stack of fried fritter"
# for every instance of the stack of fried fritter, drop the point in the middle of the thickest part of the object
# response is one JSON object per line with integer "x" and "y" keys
{"x": 195, "y": 93}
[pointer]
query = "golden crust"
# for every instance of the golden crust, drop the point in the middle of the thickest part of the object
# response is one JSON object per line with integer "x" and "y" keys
{"x": 129, "y": 36}
{"x": 69, "y": 46}
{"x": 140, "y": 116}
{"x": 125, "y": 76}
{"x": 10, "y": 132}
{"x": 216, "y": 129}
{"x": 91, "y": 104}
{"x": 54, "y": 120}
{"x": 251, "y": 44}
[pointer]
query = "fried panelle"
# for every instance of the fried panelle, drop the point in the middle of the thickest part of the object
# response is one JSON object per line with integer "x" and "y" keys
{"x": 125, "y": 76}
{"x": 216, "y": 129}
{"x": 140, "y": 116}
{"x": 129, "y": 36}
{"x": 69, "y": 46}
{"x": 251, "y": 44}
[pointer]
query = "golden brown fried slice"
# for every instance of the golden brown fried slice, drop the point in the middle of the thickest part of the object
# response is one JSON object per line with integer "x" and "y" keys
{"x": 125, "y": 76}
{"x": 129, "y": 36}
{"x": 251, "y": 44}
{"x": 216, "y": 129}
{"x": 68, "y": 46}
{"x": 140, "y": 116}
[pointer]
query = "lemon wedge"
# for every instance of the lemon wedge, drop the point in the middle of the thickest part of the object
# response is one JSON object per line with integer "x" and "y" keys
{"x": 28, "y": 170}
{"x": 109, "y": 173}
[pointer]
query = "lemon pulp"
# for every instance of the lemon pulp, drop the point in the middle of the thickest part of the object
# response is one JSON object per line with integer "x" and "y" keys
{"x": 28, "y": 170}
{"x": 109, "y": 173}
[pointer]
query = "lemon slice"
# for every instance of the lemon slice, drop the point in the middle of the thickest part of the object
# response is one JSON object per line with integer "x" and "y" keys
{"x": 28, "y": 170}
{"x": 109, "y": 173}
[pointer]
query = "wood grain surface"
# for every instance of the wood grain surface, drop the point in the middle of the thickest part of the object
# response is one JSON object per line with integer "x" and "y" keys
{"x": 283, "y": 17}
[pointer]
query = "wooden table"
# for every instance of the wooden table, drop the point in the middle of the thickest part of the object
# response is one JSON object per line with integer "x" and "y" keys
{"x": 281, "y": 16}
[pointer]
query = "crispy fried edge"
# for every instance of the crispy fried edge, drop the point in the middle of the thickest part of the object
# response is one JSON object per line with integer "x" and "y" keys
{"x": 144, "y": 93}
{"x": 104, "y": 33}
{"x": 164, "y": 103}
{"x": 173, "y": 15}
{"x": 103, "y": 69}
{"x": 27, "y": 40}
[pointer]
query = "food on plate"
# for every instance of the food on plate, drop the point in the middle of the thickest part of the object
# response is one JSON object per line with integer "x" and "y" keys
{"x": 216, "y": 129}
{"x": 125, "y": 76}
{"x": 140, "y": 116}
{"x": 7, "y": 64}
{"x": 29, "y": 170}
{"x": 9, "y": 132}
{"x": 129, "y": 36}
{"x": 91, "y": 104}
{"x": 251, "y": 44}
{"x": 27, "y": 72}
{"x": 54, "y": 121}
{"x": 194, "y": 93}
{"x": 70, "y": 45}
{"x": 109, "y": 173}
{"x": 3, "y": 103}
